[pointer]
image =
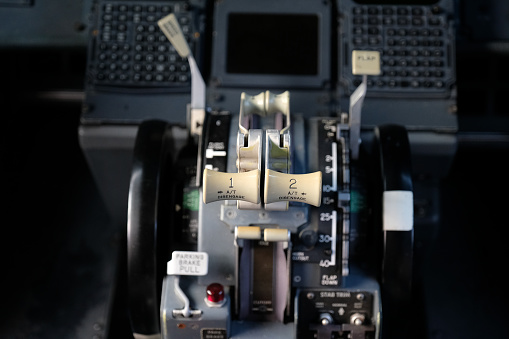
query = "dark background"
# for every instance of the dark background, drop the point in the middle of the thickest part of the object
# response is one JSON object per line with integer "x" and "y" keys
{"x": 62, "y": 260}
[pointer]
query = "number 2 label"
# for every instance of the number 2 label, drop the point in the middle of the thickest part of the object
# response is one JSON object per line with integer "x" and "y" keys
{"x": 292, "y": 183}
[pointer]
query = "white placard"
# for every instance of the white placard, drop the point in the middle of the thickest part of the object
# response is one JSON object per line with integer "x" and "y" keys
{"x": 398, "y": 210}
{"x": 188, "y": 263}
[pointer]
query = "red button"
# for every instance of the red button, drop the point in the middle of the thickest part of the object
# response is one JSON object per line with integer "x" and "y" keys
{"x": 215, "y": 293}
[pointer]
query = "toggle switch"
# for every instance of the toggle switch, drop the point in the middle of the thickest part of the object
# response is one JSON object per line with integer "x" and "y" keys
{"x": 306, "y": 188}
{"x": 231, "y": 186}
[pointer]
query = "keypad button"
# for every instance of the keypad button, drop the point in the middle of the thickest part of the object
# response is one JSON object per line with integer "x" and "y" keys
{"x": 417, "y": 11}
{"x": 358, "y": 20}
{"x": 388, "y": 21}
{"x": 402, "y": 11}
{"x": 402, "y": 21}
{"x": 108, "y": 8}
{"x": 413, "y": 32}
{"x": 372, "y": 10}
{"x": 417, "y": 21}
{"x": 433, "y": 21}
{"x": 357, "y": 30}
{"x": 436, "y": 32}
{"x": 358, "y": 10}
{"x": 373, "y": 21}
{"x": 358, "y": 41}
{"x": 373, "y": 30}
{"x": 373, "y": 40}
{"x": 387, "y": 11}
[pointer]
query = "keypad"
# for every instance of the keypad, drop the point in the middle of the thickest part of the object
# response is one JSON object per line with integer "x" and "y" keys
{"x": 130, "y": 49}
{"x": 413, "y": 42}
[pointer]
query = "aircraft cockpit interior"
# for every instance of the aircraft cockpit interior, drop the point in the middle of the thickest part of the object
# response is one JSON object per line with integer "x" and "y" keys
{"x": 216, "y": 169}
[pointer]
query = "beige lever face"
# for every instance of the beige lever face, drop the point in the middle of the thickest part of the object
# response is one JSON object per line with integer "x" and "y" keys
{"x": 306, "y": 188}
{"x": 231, "y": 186}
